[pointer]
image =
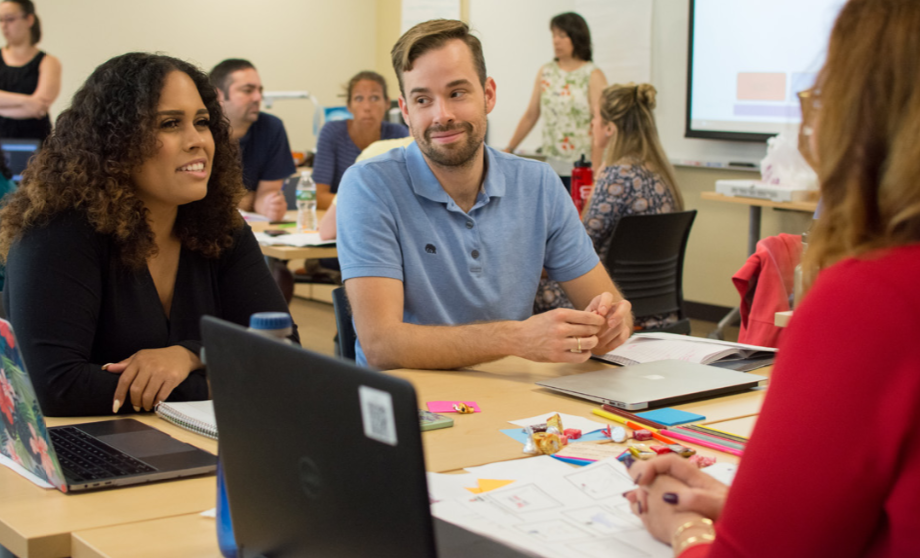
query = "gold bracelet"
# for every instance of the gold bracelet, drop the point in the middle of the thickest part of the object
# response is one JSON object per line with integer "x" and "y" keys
{"x": 704, "y": 520}
{"x": 693, "y": 541}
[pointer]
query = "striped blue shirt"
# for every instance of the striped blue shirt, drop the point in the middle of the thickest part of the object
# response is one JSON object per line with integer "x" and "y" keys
{"x": 335, "y": 151}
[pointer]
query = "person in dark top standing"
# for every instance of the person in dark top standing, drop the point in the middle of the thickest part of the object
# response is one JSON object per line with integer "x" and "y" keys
{"x": 340, "y": 142}
{"x": 266, "y": 154}
{"x": 30, "y": 80}
{"x": 123, "y": 234}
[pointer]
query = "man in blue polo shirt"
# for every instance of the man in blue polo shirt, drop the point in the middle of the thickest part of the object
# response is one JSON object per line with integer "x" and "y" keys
{"x": 266, "y": 154}
{"x": 449, "y": 232}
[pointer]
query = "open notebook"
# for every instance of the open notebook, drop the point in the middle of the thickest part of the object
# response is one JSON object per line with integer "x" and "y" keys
{"x": 198, "y": 417}
{"x": 651, "y": 347}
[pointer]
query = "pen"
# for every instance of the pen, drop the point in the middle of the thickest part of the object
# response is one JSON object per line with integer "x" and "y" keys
{"x": 706, "y": 444}
{"x": 636, "y": 418}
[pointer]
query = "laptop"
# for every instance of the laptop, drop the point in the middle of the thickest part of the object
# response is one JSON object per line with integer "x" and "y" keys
{"x": 17, "y": 153}
{"x": 322, "y": 457}
{"x": 654, "y": 384}
{"x": 86, "y": 456}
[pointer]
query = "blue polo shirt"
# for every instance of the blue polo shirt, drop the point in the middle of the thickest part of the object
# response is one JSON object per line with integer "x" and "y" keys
{"x": 395, "y": 220}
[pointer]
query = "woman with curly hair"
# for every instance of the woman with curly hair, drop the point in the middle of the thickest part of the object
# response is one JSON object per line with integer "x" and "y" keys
{"x": 123, "y": 234}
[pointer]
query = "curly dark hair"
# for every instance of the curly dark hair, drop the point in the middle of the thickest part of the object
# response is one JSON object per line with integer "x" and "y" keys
{"x": 106, "y": 134}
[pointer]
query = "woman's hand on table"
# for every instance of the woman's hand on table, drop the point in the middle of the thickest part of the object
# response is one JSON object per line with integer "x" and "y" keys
{"x": 150, "y": 375}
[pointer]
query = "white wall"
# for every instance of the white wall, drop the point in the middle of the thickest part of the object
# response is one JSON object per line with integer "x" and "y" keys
{"x": 314, "y": 45}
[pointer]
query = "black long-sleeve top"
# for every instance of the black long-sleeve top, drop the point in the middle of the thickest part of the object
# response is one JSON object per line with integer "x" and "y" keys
{"x": 75, "y": 307}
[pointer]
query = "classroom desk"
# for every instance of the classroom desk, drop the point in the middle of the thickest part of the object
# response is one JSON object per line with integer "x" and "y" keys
{"x": 755, "y": 211}
{"x": 35, "y": 522}
{"x": 287, "y": 253}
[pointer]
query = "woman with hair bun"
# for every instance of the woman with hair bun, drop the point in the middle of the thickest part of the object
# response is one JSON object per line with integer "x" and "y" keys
{"x": 30, "y": 79}
{"x": 637, "y": 180}
{"x": 123, "y": 234}
{"x": 566, "y": 94}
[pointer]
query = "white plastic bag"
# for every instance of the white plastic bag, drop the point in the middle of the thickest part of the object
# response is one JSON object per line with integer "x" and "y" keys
{"x": 785, "y": 166}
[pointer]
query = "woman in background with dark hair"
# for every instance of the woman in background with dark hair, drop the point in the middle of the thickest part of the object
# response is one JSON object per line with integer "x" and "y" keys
{"x": 123, "y": 234}
{"x": 566, "y": 93}
{"x": 30, "y": 80}
{"x": 340, "y": 142}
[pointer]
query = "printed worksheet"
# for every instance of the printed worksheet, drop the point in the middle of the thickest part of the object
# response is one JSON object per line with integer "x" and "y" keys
{"x": 577, "y": 513}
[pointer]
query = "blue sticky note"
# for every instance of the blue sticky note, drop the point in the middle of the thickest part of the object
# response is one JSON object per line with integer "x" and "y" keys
{"x": 519, "y": 435}
{"x": 671, "y": 416}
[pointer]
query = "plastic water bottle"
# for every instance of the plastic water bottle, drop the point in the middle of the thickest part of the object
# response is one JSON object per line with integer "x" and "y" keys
{"x": 306, "y": 203}
{"x": 277, "y": 325}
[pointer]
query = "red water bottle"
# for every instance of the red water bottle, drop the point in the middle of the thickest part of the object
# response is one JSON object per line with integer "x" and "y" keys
{"x": 582, "y": 182}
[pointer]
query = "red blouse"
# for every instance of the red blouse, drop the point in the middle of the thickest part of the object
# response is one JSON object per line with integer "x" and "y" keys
{"x": 833, "y": 465}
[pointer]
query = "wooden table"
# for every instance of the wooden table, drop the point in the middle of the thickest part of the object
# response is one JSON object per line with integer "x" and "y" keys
{"x": 755, "y": 212}
{"x": 287, "y": 253}
{"x": 38, "y": 522}
{"x": 504, "y": 390}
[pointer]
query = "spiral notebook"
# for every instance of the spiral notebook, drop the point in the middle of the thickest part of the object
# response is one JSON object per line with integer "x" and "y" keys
{"x": 196, "y": 416}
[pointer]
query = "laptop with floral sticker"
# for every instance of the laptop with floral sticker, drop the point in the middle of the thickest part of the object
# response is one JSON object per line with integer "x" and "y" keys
{"x": 84, "y": 456}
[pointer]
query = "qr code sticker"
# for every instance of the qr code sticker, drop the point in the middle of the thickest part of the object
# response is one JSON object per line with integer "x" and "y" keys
{"x": 377, "y": 415}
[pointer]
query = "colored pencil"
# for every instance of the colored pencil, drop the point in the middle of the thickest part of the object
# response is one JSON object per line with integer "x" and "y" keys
{"x": 707, "y": 444}
{"x": 633, "y": 417}
{"x": 610, "y": 416}
{"x": 708, "y": 438}
{"x": 716, "y": 431}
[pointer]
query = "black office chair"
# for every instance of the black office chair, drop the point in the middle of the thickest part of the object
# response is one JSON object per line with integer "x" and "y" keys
{"x": 345, "y": 341}
{"x": 646, "y": 260}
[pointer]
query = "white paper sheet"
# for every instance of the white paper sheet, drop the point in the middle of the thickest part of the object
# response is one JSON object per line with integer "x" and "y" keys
{"x": 443, "y": 487}
{"x": 4, "y": 460}
{"x": 568, "y": 421}
{"x": 298, "y": 240}
{"x": 212, "y": 513}
{"x": 532, "y": 468}
{"x": 580, "y": 513}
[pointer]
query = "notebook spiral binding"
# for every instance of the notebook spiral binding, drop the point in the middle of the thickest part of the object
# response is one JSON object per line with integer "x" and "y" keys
{"x": 182, "y": 420}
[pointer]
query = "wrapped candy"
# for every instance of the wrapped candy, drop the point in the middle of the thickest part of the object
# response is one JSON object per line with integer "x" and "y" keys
{"x": 642, "y": 435}
{"x": 682, "y": 451}
{"x": 702, "y": 461}
{"x": 572, "y": 433}
{"x": 463, "y": 408}
{"x": 618, "y": 434}
{"x": 547, "y": 443}
{"x": 554, "y": 424}
{"x": 661, "y": 450}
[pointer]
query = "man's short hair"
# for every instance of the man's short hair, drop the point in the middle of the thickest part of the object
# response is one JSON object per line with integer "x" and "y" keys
{"x": 220, "y": 75}
{"x": 432, "y": 35}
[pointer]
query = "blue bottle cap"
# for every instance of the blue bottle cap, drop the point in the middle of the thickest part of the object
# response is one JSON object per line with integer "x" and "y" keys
{"x": 270, "y": 320}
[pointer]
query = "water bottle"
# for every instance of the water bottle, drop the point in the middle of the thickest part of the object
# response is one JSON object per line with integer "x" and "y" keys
{"x": 306, "y": 203}
{"x": 582, "y": 182}
{"x": 277, "y": 325}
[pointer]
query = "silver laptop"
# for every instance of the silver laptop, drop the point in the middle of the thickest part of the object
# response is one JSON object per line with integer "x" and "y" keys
{"x": 654, "y": 384}
{"x": 83, "y": 456}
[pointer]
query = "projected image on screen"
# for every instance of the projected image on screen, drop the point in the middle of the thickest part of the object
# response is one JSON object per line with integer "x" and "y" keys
{"x": 748, "y": 61}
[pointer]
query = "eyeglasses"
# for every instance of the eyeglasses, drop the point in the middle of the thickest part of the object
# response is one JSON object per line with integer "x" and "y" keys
{"x": 11, "y": 19}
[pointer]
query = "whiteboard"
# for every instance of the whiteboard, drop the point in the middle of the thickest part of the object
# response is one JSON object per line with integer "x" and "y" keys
{"x": 516, "y": 42}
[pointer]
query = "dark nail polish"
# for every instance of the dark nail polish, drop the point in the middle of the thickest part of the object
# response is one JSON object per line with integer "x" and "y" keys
{"x": 669, "y": 497}
{"x": 638, "y": 478}
{"x": 639, "y": 503}
{"x": 625, "y": 494}
{"x": 628, "y": 460}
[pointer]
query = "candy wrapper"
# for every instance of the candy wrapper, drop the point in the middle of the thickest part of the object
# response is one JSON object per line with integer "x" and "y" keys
{"x": 554, "y": 425}
{"x": 547, "y": 443}
{"x": 530, "y": 446}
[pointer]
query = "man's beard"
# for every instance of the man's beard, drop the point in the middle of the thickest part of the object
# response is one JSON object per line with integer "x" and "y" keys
{"x": 454, "y": 155}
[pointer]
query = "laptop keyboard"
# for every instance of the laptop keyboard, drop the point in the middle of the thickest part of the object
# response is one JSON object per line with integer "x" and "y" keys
{"x": 85, "y": 458}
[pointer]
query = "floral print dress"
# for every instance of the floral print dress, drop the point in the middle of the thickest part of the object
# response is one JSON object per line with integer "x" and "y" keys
{"x": 566, "y": 111}
{"x": 620, "y": 190}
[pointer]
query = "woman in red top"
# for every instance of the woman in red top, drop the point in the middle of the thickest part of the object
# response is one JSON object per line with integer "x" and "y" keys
{"x": 833, "y": 465}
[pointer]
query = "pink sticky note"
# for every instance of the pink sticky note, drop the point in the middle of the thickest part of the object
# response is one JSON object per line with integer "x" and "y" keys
{"x": 448, "y": 406}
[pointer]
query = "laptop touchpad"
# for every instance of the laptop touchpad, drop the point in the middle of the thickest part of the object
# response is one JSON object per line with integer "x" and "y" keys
{"x": 143, "y": 444}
